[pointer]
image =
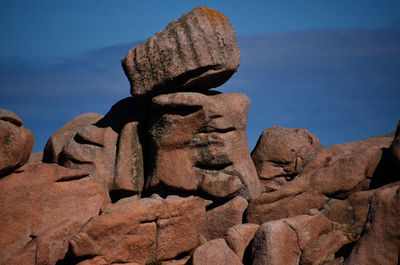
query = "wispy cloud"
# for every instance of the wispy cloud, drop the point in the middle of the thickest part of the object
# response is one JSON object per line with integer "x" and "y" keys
{"x": 342, "y": 84}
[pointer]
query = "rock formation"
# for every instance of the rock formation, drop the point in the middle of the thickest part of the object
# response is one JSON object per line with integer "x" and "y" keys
{"x": 166, "y": 176}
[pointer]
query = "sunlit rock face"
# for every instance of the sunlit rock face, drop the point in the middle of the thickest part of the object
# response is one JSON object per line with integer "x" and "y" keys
{"x": 199, "y": 145}
{"x": 199, "y": 51}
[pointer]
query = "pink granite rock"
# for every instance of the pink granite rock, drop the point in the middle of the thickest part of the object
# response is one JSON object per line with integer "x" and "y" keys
{"x": 238, "y": 237}
{"x": 206, "y": 136}
{"x": 223, "y": 217}
{"x": 42, "y": 206}
{"x": 281, "y": 153}
{"x": 335, "y": 172}
{"x": 275, "y": 243}
{"x": 144, "y": 230}
{"x": 196, "y": 52}
{"x": 65, "y": 134}
{"x": 380, "y": 241}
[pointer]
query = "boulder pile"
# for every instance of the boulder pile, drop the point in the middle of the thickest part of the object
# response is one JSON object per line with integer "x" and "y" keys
{"x": 166, "y": 176}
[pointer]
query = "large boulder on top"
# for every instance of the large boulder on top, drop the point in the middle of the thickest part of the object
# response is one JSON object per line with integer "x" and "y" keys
{"x": 196, "y": 52}
{"x": 16, "y": 142}
{"x": 42, "y": 206}
{"x": 281, "y": 153}
{"x": 199, "y": 146}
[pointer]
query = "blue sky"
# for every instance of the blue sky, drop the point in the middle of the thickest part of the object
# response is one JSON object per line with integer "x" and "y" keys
{"x": 331, "y": 67}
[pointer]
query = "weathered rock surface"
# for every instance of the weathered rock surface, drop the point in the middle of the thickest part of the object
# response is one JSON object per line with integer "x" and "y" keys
{"x": 143, "y": 230}
{"x": 16, "y": 142}
{"x": 275, "y": 243}
{"x": 223, "y": 217}
{"x": 380, "y": 241}
{"x": 206, "y": 136}
{"x": 352, "y": 211}
{"x": 238, "y": 237}
{"x": 41, "y": 207}
{"x": 94, "y": 149}
{"x": 303, "y": 239}
{"x": 196, "y": 52}
{"x": 215, "y": 252}
{"x": 65, "y": 134}
{"x": 335, "y": 172}
{"x": 129, "y": 175}
{"x": 281, "y": 153}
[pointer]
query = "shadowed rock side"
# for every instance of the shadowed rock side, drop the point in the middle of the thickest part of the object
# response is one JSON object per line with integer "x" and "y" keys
{"x": 16, "y": 142}
{"x": 108, "y": 147}
{"x": 196, "y": 52}
{"x": 199, "y": 145}
{"x": 395, "y": 150}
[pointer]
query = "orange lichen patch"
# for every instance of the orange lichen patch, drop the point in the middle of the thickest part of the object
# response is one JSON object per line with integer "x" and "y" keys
{"x": 213, "y": 15}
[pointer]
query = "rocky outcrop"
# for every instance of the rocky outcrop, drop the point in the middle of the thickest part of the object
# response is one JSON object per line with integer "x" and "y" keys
{"x": 196, "y": 52}
{"x": 166, "y": 177}
{"x": 16, "y": 142}
{"x": 42, "y": 207}
{"x": 281, "y": 153}
{"x": 143, "y": 230}
{"x": 335, "y": 172}
{"x": 206, "y": 136}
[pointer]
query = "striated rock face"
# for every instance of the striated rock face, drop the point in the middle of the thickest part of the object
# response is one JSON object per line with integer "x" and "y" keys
{"x": 16, "y": 142}
{"x": 196, "y": 52}
{"x": 281, "y": 153}
{"x": 206, "y": 136}
{"x": 143, "y": 230}
{"x": 42, "y": 206}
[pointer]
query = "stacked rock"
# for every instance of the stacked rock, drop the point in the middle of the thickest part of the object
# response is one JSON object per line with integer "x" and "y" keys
{"x": 166, "y": 176}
